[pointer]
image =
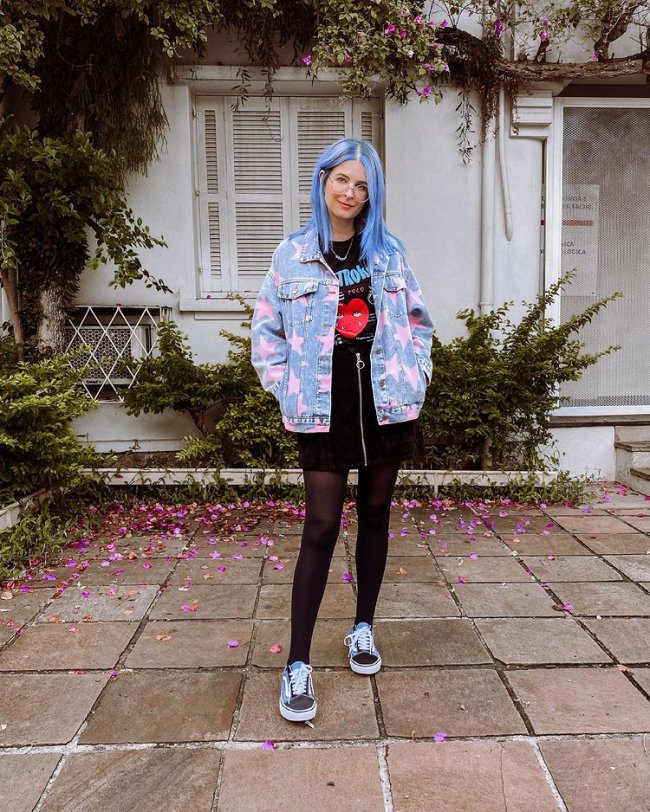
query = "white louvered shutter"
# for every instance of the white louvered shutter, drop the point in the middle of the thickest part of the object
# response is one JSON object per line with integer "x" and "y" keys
{"x": 211, "y": 192}
{"x": 258, "y": 153}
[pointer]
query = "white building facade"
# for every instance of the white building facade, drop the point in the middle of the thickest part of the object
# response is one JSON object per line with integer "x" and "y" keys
{"x": 564, "y": 184}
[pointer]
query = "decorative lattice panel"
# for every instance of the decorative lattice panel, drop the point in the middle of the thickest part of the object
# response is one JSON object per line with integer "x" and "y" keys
{"x": 106, "y": 342}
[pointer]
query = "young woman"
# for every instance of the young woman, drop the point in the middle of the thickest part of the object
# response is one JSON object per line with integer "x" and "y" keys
{"x": 342, "y": 337}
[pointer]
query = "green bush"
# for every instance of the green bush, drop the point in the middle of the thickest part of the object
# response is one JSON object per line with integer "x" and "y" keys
{"x": 37, "y": 402}
{"x": 494, "y": 389}
{"x": 239, "y": 423}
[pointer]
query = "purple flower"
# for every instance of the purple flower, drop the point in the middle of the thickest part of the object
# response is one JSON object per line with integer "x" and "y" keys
{"x": 543, "y": 36}
{"x": 440, "y": 737}
{"x": 307, "y": 59}
{"x": 390, "y": 29}
{"x": 498, "y": 27}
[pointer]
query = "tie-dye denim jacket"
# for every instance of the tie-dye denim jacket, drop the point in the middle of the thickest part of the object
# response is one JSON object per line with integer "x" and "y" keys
{"x": 293, "y": 336}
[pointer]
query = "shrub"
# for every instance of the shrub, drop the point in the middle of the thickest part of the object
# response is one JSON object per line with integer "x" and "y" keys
{"x": 494, "y": 389}
{"x": 239, "y": 423}
{"x": 37, "y": 402}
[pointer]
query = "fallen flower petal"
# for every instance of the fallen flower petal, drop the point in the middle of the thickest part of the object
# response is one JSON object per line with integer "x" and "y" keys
{"x": 440, "y": 737}
{"x": 276, "y": 648}
{"x": 268, "y": 745}
{"x": 233, "y": 643}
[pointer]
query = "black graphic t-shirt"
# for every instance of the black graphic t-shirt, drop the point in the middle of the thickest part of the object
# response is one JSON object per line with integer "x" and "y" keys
{"x": 356, "y": 319}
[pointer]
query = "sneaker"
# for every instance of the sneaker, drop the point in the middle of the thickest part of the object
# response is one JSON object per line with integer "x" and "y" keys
{"x": 364, "y": 657}
{"x": 297, "y": 703}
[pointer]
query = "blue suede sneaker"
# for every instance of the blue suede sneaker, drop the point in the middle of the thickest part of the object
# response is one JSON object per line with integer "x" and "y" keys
{"x": 297, "y": 703}
{"x": 363, "y": 654}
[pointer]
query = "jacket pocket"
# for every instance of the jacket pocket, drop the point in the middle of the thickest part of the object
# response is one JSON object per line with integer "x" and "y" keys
{"x": 297, "y": 299}
{"x": 395, "y": 294}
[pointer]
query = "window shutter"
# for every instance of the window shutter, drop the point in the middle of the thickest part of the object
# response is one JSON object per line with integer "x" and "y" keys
{"x": 210, "y": 187}
{"x": 258, "y": 189}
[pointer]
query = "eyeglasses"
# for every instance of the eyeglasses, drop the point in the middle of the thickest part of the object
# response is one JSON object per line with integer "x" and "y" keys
{"x": 341, "y": 183}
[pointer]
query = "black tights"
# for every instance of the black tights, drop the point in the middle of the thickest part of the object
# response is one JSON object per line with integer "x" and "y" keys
{"x": 324, "y": 495}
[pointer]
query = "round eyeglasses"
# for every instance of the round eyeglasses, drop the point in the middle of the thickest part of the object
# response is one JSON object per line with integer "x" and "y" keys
{"x": 341, "y": 183}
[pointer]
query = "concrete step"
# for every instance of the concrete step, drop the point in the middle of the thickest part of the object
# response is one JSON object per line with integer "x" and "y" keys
{"x": 639, "y": 479}
{"x": 633, "y": 445}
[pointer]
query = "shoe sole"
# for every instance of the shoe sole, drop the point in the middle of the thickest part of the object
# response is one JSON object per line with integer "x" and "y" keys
{"x": 297, "y": 716}
{"x": 365, "y": 669}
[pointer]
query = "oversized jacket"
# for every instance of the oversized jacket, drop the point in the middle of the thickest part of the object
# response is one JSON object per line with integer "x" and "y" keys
{"x": 293, "y": 336}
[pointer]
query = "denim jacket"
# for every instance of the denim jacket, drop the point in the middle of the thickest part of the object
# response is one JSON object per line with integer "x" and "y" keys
{"x": 293, "y": 336}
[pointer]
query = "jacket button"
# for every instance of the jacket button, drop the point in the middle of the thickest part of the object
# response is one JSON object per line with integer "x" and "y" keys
{"x": 382, "y": 383}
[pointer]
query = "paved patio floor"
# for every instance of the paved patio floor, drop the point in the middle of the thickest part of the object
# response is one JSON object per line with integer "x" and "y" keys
{"x": 143, "y": 673}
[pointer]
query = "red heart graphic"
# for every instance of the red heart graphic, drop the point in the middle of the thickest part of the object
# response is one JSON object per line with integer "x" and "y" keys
{"x": 352, "y": 317}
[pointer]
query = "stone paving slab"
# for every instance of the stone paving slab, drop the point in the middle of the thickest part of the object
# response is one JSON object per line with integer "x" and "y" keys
{"x": 461, "y": 545}
{"x": 281, "y": 571}
{"x": 628, "y": 638}
{"x": 540, "y": 641}
{"x": 206, "y": 602}
{"x": 616, "y": 543}
{"x": 403, "y": 600}
{"x": 164, "y": 706}
{"x": 127, "y": 572}
{"x": 45, "y": 708}
{"x": 248, "y": 545}
{"x": 56, "y": 646}
{"x": 142, "y": 545}
{"x": 595, "y": 774}
{"x": 642, "y": 677}
{"x": 504, "y": 600}
{"x": 636, "y": 567}
{"x": 192, "y": 644}
{"x": 332, "y": 780}
{"x": 518, "y": 525}
{"x": 483, "y": 569}
{"x": 610, "y": 598}
{"x": 102, "y": 602}
{"x": 346, "y": 709}
{"x": 327, "y": 649}
{"x": 24, "y": 606}
{"x": 571, "y": 568}
{"x": 546, "y": 545}
{"x": 275, "y": 602}
{"x": 459, "y": 702}
{"x": 640, "y": 523}
{"x": 468, "y": 776}
{"x": 594, "y": 524}
{"x": 206, "y": 571}
{"x": 146, "y": 780}
{"x": 408, "y": 569}
{"x": 23, "y": 779}
{"x": 429, "y": 642}
{"x": 580, "y": 700}
{"x": 411, "y": 546}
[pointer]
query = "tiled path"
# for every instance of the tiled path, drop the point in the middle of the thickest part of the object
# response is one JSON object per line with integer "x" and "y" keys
{"x": 517, "y": 671}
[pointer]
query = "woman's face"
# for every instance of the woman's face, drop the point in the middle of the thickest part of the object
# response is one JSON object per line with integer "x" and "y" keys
{"x": 342, "y": 201}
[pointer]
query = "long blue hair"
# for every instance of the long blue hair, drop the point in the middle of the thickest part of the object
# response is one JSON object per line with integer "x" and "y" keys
{"x": 376, "y": 239}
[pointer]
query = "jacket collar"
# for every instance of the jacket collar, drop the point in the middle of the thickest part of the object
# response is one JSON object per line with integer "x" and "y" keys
{"x": 311, "y": 251}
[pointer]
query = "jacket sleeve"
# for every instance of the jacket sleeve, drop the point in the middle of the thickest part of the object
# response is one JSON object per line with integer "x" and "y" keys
{"x": 268, "y": 340}
{"x": 419, "y": 321}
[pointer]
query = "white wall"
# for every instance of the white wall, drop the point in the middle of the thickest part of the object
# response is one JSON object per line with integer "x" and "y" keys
{"x": 587, "y": 451}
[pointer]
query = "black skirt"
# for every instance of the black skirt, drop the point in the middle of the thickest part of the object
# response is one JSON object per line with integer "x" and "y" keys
{"x": 355, "y": 438}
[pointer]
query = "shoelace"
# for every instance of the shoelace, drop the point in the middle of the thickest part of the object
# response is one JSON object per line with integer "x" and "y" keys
{"x": 361, "y": 639}
{"x": 298, "y": 678}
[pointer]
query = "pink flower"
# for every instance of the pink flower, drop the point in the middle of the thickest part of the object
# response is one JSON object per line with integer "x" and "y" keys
{"x": 543, "y": 36}
{"x": 390, "y": 29}
{"x": 347, "y": 577}
{"x": 233, "y": 643}
{"x": 594, "y": 58}
{"x": 443, "y": 24}
{"x": 568, "y": 607}
{"x": 307, "y": 59}
{"x": 403, "y": 34}
{"x": 268, "y": 745}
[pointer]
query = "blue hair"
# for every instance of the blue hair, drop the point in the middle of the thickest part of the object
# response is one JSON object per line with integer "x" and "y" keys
{"x": 375, "y": 237}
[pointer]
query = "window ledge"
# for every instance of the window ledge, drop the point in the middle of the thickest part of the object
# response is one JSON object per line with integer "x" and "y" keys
{"x": 217, "y": 303}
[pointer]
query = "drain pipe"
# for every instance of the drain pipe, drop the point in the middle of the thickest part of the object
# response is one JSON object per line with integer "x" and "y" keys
{"x": 503, "y": 166}
{"x": 488, "y": 166}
